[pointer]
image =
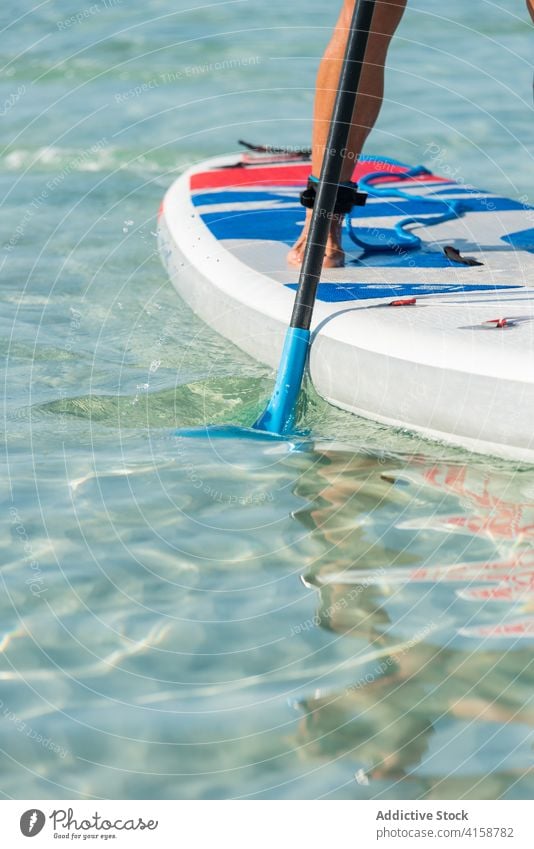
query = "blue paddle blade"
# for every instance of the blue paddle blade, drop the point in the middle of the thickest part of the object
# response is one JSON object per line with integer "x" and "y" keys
{"x": 278, "y": 418}
{"x": 279, "y": 415}
{"x": 210, "y": 432}
{"x": 295, "y": 442}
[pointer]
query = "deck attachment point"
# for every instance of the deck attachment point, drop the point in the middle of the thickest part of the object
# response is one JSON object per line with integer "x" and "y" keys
{"x": 403, "y": 302}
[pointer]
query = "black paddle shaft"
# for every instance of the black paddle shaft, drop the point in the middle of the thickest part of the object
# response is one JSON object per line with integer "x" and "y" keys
{"x": 334, "y": 155}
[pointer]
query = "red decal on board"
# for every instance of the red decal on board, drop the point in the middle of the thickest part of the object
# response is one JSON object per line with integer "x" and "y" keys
{"x": 289, "y": 175}
{"x": 403, "y": 302}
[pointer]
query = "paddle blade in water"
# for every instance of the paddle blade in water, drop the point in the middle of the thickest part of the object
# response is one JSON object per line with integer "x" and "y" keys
{"x": 279, "y": 415}
{"x": 226, "y": 432}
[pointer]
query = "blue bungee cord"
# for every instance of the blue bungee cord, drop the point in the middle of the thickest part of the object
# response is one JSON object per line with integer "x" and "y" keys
{"x": 382, "y": 239}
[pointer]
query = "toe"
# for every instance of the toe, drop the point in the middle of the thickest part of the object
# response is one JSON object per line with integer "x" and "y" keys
{"x": 294, "y": 258}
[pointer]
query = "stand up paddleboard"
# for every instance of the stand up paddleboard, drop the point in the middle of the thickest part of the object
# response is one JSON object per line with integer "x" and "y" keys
{"x": 430, "y": 325}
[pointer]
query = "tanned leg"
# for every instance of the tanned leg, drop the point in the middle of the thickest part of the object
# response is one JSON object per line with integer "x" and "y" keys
{"x": 386, "y": 19}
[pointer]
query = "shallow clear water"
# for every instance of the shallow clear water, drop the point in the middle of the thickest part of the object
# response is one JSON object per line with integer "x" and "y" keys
{"x": 348, "y": 616}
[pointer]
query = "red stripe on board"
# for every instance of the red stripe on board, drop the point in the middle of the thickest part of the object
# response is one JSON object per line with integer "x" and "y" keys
{"x": 287, "y": 175}
{"x": 292, "y": 175}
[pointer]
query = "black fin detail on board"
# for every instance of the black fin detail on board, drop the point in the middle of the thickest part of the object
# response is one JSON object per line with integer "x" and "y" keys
{"x": 455, "y": 256}
{"x": 296, "y": 152}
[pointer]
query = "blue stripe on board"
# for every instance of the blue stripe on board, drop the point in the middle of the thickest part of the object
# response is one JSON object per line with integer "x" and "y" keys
{"x": 206, "y": 198}
{"x": 395, "y": 206}
{"x": 279, "y": 225}
{"x": 283, "y": 223}
{"x": 332, "y": 293}
{"x": 455, "y": 189}
{"x": 399, "y": 207}
{"x": 523, "y": 239}
{"x": 398, "y": 257}
{"x": 259, "y": 223}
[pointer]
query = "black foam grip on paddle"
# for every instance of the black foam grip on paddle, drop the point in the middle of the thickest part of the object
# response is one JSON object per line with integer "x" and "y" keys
{"x": 333, "y": 159}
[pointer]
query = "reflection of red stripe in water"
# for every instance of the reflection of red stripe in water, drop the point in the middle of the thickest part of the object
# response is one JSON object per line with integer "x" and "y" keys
{"x": 514, "y": 585}
{"x": 464, "y": 572}
{"x": 520, "y": 571}
{"x": 516, "y": 630}
{"x": 503, "y": 523}
{"x": 500, "y": 518}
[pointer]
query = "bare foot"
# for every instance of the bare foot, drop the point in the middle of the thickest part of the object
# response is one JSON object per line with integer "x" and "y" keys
{"x": 334, "y": 255}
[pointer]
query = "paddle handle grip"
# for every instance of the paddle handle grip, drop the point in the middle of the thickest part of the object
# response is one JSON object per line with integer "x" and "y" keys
{"x": 338, "y": 136}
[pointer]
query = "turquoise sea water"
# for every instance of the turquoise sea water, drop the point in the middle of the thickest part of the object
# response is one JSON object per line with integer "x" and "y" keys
{"x": 187, "y": 620}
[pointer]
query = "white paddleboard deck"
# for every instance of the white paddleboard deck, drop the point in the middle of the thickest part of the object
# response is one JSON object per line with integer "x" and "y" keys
{"x": 458, "y": 365}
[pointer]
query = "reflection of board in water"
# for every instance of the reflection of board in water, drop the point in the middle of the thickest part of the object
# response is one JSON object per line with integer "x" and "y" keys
{"x": 438, "y": 701}
{"x": 428, "y": 723}
{"x": 492, "y": 515}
